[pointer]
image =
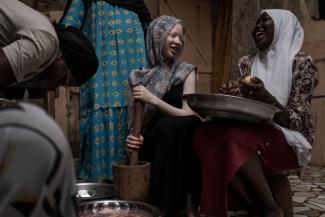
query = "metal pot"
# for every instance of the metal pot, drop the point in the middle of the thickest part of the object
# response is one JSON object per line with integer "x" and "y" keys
{"x": 90, "y": 191}
{"x": 232, "y": 107}
{"x": 116, "y": 208}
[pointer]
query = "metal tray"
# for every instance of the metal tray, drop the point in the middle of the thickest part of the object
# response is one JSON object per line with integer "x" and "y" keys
{"x": 231, "y": 107}
{"x": 120, "y": 208}
{"x": 94, "y": 191}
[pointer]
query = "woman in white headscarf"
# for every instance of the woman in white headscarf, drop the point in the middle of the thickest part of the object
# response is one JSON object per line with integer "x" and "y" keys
{"x": 242, "y": 154}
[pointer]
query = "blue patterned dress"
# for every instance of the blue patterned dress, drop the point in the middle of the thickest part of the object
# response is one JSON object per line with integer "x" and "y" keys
{"x": 117, "y": 36}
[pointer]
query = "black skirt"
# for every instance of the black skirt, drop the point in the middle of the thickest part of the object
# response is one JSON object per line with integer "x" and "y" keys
{"x": 168, "y": 146}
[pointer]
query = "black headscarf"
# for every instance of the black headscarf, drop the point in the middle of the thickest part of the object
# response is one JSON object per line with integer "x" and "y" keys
{"x": 78, "y": 52}
{"x": 137, "y": 6}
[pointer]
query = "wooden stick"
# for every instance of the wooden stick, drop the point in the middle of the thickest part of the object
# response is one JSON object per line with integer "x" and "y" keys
{"x": 138, "y": 112}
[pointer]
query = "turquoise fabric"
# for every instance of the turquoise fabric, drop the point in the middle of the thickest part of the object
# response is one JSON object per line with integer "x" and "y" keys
{"x": 117, "y": 36}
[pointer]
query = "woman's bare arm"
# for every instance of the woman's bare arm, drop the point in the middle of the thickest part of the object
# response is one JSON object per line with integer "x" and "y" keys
{"x": 141, "y": 93}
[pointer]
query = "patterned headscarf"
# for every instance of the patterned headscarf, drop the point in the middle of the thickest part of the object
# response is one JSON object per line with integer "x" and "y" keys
{"x": 158, "y": 78}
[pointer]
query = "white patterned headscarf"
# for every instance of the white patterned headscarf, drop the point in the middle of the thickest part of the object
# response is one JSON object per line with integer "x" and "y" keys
{"x": 274, "y": 66}
{"x": 158, "y": 78}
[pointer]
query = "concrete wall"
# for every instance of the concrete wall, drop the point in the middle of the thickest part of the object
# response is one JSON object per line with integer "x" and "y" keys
{"x": 245, "y": 14}
{"x": 315, "y": 45}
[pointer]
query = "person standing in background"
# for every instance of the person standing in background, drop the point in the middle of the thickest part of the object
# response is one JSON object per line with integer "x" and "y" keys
{"x": 115, "y": 30}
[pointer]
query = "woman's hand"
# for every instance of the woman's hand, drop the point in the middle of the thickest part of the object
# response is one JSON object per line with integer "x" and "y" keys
{"x": 143, "y": 94}
{"x": 254, "y": 89}
{"x": 133, "y": 143}
{"x": 230, "y": 88}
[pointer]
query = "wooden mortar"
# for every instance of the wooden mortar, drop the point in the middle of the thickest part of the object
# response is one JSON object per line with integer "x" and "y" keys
{"x": 131, "y": 179}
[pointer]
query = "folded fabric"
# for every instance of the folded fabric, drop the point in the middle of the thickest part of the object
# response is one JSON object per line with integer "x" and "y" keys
{"x": 300, "y": 145}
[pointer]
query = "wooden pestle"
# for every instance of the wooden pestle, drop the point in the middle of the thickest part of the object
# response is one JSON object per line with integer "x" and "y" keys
{"x": 138, "y": 112}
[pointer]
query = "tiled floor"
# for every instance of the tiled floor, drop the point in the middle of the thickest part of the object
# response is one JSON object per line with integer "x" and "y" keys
{"x": 308, "y": 193}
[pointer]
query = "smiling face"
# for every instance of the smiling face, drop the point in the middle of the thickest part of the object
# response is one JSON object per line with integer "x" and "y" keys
{"x": 263, "y": 32}
{"x": 174, "y": 43}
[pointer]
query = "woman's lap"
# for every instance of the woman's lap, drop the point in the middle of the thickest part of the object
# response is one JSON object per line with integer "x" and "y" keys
{"x": 168, "y": 146}
{"x": 224, "y": 146}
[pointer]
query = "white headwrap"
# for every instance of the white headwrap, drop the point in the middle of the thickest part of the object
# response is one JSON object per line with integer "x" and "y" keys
{"x": 274, "y": 68}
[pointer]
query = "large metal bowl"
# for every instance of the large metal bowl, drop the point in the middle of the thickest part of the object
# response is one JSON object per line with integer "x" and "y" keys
{"x": 231, "y": 107}
{"x": 91, "y": 191}
{"x": 116, "y": 208}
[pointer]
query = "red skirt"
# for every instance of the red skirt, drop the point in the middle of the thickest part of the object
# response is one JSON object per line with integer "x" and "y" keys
{"x": 223, "y": 146}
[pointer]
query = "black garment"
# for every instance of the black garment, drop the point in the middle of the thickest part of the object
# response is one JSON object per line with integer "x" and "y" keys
{"x": 78, "y": 52}
{"x": 174, "y": 165}
{"x": 137, "y": 6}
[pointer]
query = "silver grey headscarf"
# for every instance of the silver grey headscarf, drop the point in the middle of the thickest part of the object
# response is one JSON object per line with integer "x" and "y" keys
{"x": 157, "y": 77}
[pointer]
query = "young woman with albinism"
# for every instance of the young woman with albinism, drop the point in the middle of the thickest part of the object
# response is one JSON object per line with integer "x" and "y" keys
{"x": 168, "y": 121}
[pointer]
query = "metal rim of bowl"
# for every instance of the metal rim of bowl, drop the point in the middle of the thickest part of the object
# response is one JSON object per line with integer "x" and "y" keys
{"x": 200, "y": 103}
{"x": 186, "y": 96}
{"x": 154, "y": 211}
{"x": 91, "y": 186}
